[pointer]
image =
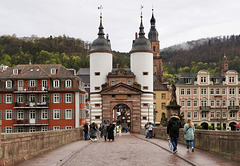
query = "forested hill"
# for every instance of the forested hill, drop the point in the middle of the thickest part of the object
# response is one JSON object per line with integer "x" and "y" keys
{"x": 71, "y": 52}
{"x": 204, "y": 50}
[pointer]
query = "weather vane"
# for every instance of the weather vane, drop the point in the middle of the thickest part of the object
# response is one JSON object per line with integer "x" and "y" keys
{"x": 100, "y": 8}
{"x": 141, "y": 7}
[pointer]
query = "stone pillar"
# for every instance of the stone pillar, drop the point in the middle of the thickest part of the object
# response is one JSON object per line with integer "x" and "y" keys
{"x": 173, "y": 109}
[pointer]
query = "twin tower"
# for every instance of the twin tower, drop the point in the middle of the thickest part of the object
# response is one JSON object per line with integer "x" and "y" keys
{"x": 131, "y": 87}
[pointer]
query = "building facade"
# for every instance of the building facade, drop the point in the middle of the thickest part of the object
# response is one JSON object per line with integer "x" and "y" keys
{"x": 40, "y": 98}
{"x": 210, "y": 100}
{"x": 121, "y": 96}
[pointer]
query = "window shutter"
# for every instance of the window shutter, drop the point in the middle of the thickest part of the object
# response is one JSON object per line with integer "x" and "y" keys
{"x": 72, "y": 98}
{"x": 4, "y": 114}
{"x": 36, "y": 117}
{"x": 3, "y": 129}
{"x": 51, "y": 114}
{"x": 36, "y": 85}
{"x": 64, "y": 112}
{"x": 72, "y": 114}
{"x": 52, "y": 98}
{"x": 4, "y": 98}
{"x": 12, "y": 99}
{"x": 64, "y": 100}
{"x": 0, "y": 98}
{"x": 24, "y": 100}
{"x": 13, "y": 114}
{"x": 48, "y": 114}
{"x": 60, "y": 114}
{"x": 28, "y": 83}
{"x": 60, "y": 98}
{"x": 0, "y": 114}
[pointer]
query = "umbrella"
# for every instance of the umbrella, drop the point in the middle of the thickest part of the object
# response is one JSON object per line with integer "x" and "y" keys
{"x": 170, "y": 144}
{"x": 237, "y": 125}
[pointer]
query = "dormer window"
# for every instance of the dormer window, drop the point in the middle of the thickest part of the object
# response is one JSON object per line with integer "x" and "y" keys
{"x": 113, "y": 82}
{"x": 203, "y": 80}
{"x": 68, "y": 83}
{"x": 8, "y": 84}
{"x": 53, "y": 71}
{"x": 188, "y": 81}
{"x": 231, "y": 79}
{"x": 56, "y": 83}
{"x": 15, "y": 71}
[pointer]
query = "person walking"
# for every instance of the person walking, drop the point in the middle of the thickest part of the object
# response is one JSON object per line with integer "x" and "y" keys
{"x": 85, "y": 129}
{"x": 150, "y": 129}
{"x": 104, "y": 130}
{"x": 93, "y": 132}
{"x": 173, "y": 130}
{"x": 100, "y": 130}
{"x": 146, "y": 129}
{"x": 111, "y": 132}
{"x": 189, "y": 131}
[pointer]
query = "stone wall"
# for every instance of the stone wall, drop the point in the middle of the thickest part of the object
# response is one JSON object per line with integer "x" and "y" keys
{"x": 17, "y": 147}
{"x": 224, "y": 143}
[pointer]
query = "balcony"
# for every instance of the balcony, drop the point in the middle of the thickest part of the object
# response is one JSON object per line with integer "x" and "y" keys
{"x": 31, "y": 105}
{"x": 204, "y": 108}
{"x": 30, "y": 122}
{"x": 31, "y": 90}
{"x": 233, "y": 108}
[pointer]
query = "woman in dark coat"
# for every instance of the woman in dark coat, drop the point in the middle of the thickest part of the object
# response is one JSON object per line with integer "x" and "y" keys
{"x": 110, "y": 132}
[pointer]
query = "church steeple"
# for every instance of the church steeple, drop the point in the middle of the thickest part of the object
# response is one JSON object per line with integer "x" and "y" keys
{"x": 101, "y": 32}
{"x": 153, "y": 34}
{"x": 141, "y": 28}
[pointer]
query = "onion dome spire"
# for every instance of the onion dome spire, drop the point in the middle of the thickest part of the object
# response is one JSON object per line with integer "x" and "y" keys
{"x": 141, "y": 28}
{"x": 101, "y": 43}
{"x": 153, "y": 34}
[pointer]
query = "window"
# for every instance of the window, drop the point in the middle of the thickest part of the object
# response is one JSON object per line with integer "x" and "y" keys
{"x": 218, "y": 103}
{"x": 97, "y": 88}
{"x": 56, "y": 114}
{"x": 189, "y": 103}
{"x": 68, "y": 114}
{"x": 20, "y": 98}
{"x": 145, "y": 73}
{"x": 163, "y": 95}
{"x": 44, "y": 114}
{"x": 44, "y": 128}
{"x": 20, "y": 115}
{"x": 32, "y": 129}
{"x": 129, "y": 82}
{"x": 182, "y": 103}
{"x": 15, "y": 71}
{"x": 8, "y": 98}
{"x": 232, "y": 114}
{"x": 195, "y": 115}
{"x": 212, "y": 103}
{"x": 8, "y": 129}
{"x": 56, "y": 98}
{"x": 97, "y": 105}
{"x": 32, "y": 98}
{"x": 97, "y": 73}
{"x": 56, "y": 83}
{"x": 68, "y": 83}
{"x": 203, "y": 91}
{"x": 212, "y": 115}
{"x": 188, "y": 91}
{"x": 224, "y": 115}
{"x": 43, "y": 98}
{"x": 217, "y": 91}
{"x": 203, "y": 79}
{"x": 188, "y": 114}
{"x": 32, "y": 83}
{"x": 145, "y": 104}
{"x": 204, "y": 114}
{"x": 113, "y": 82}
{"x": 68, "y": 98}
{"x": 8, "y": 84}
{"x": 223, "y": 91}
{"x": 188, "y": 81}
{"x": 203, "y": 103}
{"x": 20, "y": 84}
{"x": 224, "y": 103}
{"x": 231, "y": 79}
{"x": 55, "y": 128}
{"x": 44, "y": 83}
{"x": 218, "y": 114}
{"x": 194, "y": 91}
{"x": 20, "y": 129}
{"x": 145, "y": 87}
{"x": 231, "y": 91}
{"x": 97, "y": 117}
{"x": 154, "y": 95}
{"x": 8, "y": 114}
{"x": 53, "y": 71}
{"x": 195, "y": 103}
{"x": 163, "y": 105}
{"x": 68, "y": 127}
{"x": 232, "y": 102}
{"x": 182, "y": 91}
{"x": 144, "y": 118}
{"x": 212, "y": 91}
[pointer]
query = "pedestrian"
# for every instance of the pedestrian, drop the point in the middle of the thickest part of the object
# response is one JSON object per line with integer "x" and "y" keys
{"x": 85, "y": 129}
{"x": 189, "y": 131}
{"x": 173, "y": 130}
{"x": 120, "y": 130}
{"x": 100, "y": 129}
{"x": 111, "y": 132}
{"x": 150, "y": 129}
{"x": 146, "y": 129}
{"x": 93, "y": 132}
{"x": 104, "y": 130}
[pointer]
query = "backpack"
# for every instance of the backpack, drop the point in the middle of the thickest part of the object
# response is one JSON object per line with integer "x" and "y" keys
{"x": 175, "y": 126}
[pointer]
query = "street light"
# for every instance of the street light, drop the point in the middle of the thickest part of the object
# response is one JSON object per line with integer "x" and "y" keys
{"x": 148, "y": 111}
{"x": 90, "y": 108}
{"x": 154, "y": 113}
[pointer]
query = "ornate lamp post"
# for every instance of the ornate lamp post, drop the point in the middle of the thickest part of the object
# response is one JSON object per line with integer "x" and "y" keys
{"x": 90, "y": 108}
{"x": 148, "y": 111}
{"x": 154, "y": 113}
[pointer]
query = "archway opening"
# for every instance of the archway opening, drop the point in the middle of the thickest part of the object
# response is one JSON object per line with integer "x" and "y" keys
{"x": 233, "y": 128}
{"x": 204, "y": 125}
{"x": 122, "y": 117}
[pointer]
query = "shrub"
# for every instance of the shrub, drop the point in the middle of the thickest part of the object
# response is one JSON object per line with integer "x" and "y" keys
{"x": 210, "y": 127}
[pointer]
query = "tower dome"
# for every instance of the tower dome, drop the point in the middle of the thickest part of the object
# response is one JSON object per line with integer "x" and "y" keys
{"x": 153, "y": 34}
{"x": 100, "y": 44}
{"x": 141, "y": 43}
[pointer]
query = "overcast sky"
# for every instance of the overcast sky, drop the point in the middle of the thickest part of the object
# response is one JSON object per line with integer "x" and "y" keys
{"x": 178, "y": 21}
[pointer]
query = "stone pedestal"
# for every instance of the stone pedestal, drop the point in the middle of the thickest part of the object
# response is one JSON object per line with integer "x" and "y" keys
{"x": 171, "y": 109}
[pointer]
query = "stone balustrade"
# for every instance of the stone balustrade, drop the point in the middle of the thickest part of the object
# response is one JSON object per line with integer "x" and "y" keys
{"x": 17, "y": 147}
{"x": 224, "y": 143}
